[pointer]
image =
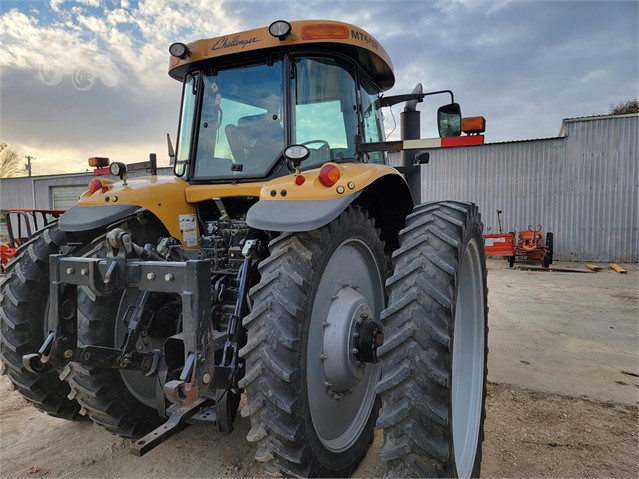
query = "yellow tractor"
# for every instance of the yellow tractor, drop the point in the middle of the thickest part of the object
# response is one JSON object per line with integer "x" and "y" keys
{"x": 285, "y": 261}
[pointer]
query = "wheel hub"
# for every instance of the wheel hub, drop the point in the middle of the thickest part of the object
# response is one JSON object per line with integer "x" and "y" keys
{"x": 349, "y": 342}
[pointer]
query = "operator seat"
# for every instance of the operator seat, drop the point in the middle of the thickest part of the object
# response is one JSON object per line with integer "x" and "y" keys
{"x": 257, "y": 138}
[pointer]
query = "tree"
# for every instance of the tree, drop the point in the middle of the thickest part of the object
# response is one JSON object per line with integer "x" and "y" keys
{"x": 10, "y": 162}
{"x": 624, "y": 108}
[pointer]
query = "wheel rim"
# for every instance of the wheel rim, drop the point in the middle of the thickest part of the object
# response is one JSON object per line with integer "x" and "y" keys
{"x": 341, "y": 393}
{"x": 468, "y": 360}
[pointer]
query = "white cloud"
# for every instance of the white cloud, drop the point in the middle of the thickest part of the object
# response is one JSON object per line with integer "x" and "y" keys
{"x": 55, "y": 4}
{"x": 126, "y": 42}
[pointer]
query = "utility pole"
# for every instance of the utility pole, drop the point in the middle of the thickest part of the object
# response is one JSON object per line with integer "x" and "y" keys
{"x": 28, "y": 165}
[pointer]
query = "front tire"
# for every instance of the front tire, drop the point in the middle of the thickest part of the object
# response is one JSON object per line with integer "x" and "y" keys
{"x": 433, "y": 385}
{"x": 312, "y": 405}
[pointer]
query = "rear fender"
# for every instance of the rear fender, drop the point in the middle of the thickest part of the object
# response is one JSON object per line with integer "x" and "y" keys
{"x": 287, "y": 206}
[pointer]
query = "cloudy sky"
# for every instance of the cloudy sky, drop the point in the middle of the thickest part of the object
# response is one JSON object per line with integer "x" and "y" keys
{"x": 88, "y": 77}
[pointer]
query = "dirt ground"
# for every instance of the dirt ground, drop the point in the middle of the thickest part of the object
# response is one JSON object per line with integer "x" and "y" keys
{"x": 528, "y": 434}
{"x": 531, "y": 431}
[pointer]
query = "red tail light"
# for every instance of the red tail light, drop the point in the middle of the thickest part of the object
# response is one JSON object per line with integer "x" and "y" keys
{"x": 97, "y": 185}
{"x": 329, "y": 174}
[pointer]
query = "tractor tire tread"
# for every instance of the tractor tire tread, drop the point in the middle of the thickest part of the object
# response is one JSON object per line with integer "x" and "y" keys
{"x": 416, "y": 355}
{"x": 272, "y": 402}
{"x": 24, "y": 296}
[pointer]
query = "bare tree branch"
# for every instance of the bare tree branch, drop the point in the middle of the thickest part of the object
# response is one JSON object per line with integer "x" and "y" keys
{"x": 624, "y": 108}
{"x": 10, "y": 162}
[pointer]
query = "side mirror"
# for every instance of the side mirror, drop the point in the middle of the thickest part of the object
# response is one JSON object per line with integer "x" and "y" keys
{"x": 449, "y": 120}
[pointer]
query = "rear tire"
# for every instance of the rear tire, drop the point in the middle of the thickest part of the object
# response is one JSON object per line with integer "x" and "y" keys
{"x": 306, "y": 307}
{"x": 433, "y": 385}
{"x": 23, "y": 324}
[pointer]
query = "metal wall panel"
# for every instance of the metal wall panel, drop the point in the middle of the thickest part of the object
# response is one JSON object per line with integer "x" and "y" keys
{"x": 583, "y": 187}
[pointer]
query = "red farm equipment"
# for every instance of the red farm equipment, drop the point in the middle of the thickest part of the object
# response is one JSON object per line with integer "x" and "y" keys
{"x": 531, "y": 245}
{"x": 500, "y": 244}
{"x": 21, "y": 225}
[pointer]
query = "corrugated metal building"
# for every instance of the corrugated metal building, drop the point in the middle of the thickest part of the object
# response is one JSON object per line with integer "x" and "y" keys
{"x": 583, "y": 186}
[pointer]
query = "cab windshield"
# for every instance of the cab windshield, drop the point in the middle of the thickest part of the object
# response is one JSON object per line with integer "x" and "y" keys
{"x": 240, "y": 131}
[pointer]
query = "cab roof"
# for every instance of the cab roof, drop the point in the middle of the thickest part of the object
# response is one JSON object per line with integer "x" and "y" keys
{"x": 308, "y": 35}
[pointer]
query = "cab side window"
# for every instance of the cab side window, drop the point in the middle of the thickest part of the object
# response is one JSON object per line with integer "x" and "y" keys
{"x": 325, "y": 115}
{"x": 372, "y": 120}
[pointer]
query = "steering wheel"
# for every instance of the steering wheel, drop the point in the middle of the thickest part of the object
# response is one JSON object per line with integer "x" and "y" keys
{"x": 536, "y": 229}
{"x": 324, "y": 144}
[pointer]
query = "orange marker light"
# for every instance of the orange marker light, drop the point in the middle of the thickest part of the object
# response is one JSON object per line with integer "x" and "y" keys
{"x": 474, "y": 125}
{"x": 98, "y": 162}
{"x": 324, "y": 31}
{"x": 329, "y": 174}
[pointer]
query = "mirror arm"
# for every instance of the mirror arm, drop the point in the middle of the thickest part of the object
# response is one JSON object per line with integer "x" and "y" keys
{"x": 395, "y": 99}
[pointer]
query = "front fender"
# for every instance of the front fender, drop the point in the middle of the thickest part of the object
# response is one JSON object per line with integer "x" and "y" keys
{"x": 164, "y": 196}
{"x": 84, "y": 218}
{"x": 287, "y": 206}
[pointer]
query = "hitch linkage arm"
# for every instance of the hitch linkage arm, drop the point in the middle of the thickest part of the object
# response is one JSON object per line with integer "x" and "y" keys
{"x": 190, "y": 279}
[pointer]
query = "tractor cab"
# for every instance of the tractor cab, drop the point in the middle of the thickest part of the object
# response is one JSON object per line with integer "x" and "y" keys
{"x": 248, "y": 97}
